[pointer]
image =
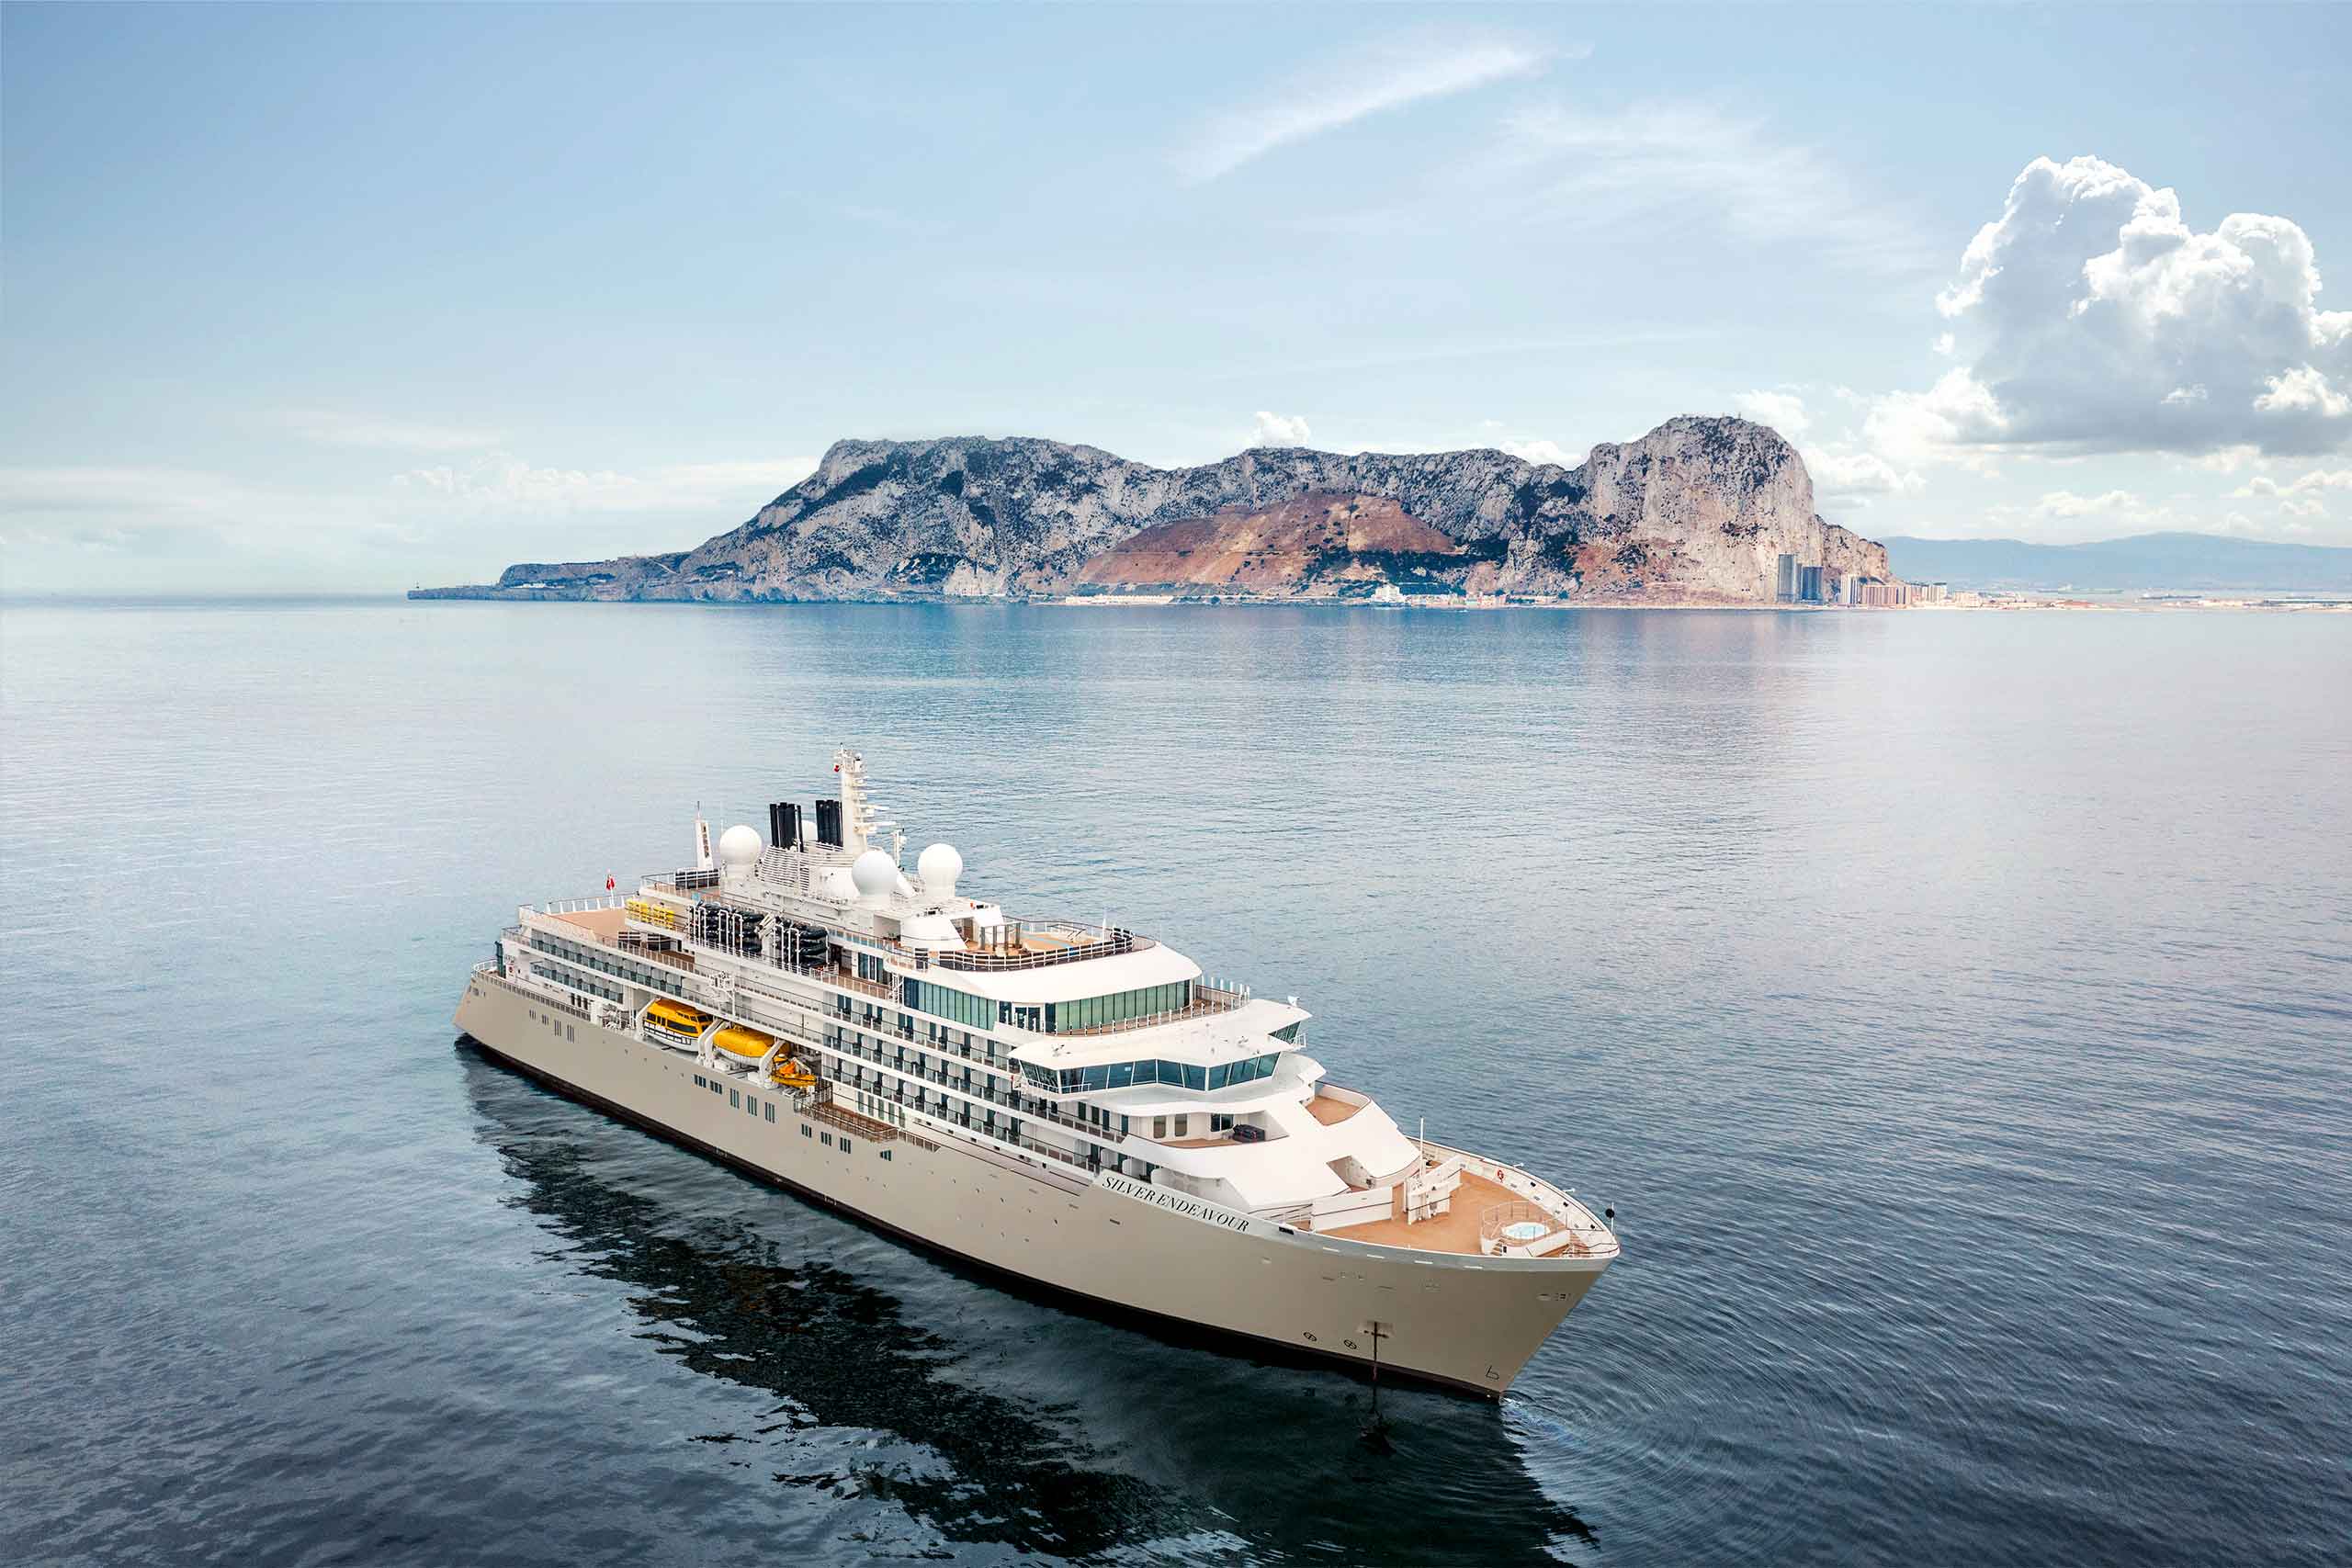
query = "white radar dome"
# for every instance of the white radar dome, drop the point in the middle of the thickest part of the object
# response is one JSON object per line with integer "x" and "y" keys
{"x": 740, "y": 845}
{"x": 937, "y": 868}
{"x": 874, "y": 874}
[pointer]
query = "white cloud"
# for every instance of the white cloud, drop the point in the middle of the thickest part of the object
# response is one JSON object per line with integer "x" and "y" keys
{"x": 1945, "y": 344}
{"x": 1542, "y": 452}
{"x": 330, "y": 428}
{"x": 2301, "y": 389}
{"x": 1848, "y": 475}
{"x": 1784, "y": 411}
{"x": 2225, "y": 459}
{"x": 2092, "y": 317}
{"x": 2065, "y": 503}
{"x": 1664, "y": 165}
{"x": 1339, "y": 92}
{"x": 1936, "y": 426}
{"x": 1278, "y": 430}
{"x": 499, "y": 483}
{"x": 2318, "y": 479}
{"x": 2298, "y": 496}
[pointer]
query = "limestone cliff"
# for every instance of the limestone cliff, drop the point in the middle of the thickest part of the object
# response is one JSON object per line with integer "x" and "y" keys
{"x": 1694, "y": 512}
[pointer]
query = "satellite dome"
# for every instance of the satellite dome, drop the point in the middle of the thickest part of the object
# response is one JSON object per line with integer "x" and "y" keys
{"x": 740, "y": 845}
{"x": 835, "y": 886}
{"x": 937, "y": 868}
{"x": 874, "y": 874}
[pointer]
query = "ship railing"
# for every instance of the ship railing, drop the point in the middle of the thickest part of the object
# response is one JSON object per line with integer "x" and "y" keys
{"x": 489, "y": 972}
{"x": 577, "y": 906}
{"x": 1204, "y": 1004}
{"x": 1563, "y": 1207}
{"x": 1082, "y": 943}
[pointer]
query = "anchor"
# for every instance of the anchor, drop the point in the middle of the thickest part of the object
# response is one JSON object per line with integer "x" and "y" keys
{"x": 1375, "y": 1435}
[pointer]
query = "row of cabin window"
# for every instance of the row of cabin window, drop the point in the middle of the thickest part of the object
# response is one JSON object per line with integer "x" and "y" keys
{"x": 636, "y": 974}
{"x": 945, "y": 1041}
{"x": 563, "y": 976}
{"x": 1123, "y": 1074}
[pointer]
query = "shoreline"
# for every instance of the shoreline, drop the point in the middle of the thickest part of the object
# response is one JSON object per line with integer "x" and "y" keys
{"x": 1964, "y": 600}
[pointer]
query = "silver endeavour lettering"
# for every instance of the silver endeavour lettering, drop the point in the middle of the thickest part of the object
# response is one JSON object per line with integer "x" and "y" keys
{"x": 1175, "y": 1202}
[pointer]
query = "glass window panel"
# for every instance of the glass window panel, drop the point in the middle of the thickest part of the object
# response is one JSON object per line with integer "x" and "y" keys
{"x": 1121, "y": 1074}
{"x": 1195, "y": 1077}
{"x": 1219, "y": 1076}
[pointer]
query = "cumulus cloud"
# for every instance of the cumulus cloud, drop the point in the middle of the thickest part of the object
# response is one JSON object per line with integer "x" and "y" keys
{"x": 1784, "y": 411}
{"x": 1542, "y": 452}
{"x": 500, "y": 483}
{"x": 2317, "y": 480}
{"x": 2065, "y": 503}
{"x": 1842, "y": 474}
{"x": 1340, "y": 91}
{"x": 2093, "y": 318}
{"x": 1939, "y": 424}
{"x": 1278, "y": 430}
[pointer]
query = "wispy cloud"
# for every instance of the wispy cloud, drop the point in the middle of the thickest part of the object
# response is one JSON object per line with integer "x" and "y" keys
{"x": 329, "y": 427}
{"x": 1343, "y": 90}
{"x": 1661, "y": 165}
{"x": 500, "y": 484}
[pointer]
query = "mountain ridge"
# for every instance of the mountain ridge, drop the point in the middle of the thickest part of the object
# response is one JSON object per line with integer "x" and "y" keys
{"x": 1696, "y": 510}
{"x": 2134, "y": 562}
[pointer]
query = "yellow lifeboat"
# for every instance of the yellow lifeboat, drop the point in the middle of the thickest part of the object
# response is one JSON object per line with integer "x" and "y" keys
{"x": 789, "y": 1072}
{"x": 677, "y": 1018}
{"x": 747, "y": 1043}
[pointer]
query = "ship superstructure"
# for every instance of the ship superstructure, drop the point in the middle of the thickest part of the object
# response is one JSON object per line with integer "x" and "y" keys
{"x": 1075, "y": 1104}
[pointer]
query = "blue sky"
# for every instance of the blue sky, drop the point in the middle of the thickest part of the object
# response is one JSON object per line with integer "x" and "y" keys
{"x": 358, "y": 297}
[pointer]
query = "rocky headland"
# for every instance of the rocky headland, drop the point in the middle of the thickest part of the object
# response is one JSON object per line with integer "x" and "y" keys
{"x": 1696, "y": 512}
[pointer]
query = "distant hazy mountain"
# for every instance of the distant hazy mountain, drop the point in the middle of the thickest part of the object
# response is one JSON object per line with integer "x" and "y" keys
{"x": 1696, "y": 512}
{"x": 2143, "y": 562}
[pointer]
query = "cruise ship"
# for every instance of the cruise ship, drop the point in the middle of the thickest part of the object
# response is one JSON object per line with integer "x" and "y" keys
{"x": 1078, "y": 1106}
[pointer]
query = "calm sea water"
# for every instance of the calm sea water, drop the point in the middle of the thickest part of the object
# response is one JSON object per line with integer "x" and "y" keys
{"x": 1956, "y": 1008}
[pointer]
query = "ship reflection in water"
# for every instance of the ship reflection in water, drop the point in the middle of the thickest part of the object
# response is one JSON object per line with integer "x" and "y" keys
{"x": 912, "y": 1399}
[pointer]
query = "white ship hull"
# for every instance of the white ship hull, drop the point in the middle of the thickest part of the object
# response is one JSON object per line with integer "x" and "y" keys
{"x": 1468, "y": 1323}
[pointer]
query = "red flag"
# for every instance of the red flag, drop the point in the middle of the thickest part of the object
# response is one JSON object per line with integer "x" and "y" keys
{"x": 608, "y": 882}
